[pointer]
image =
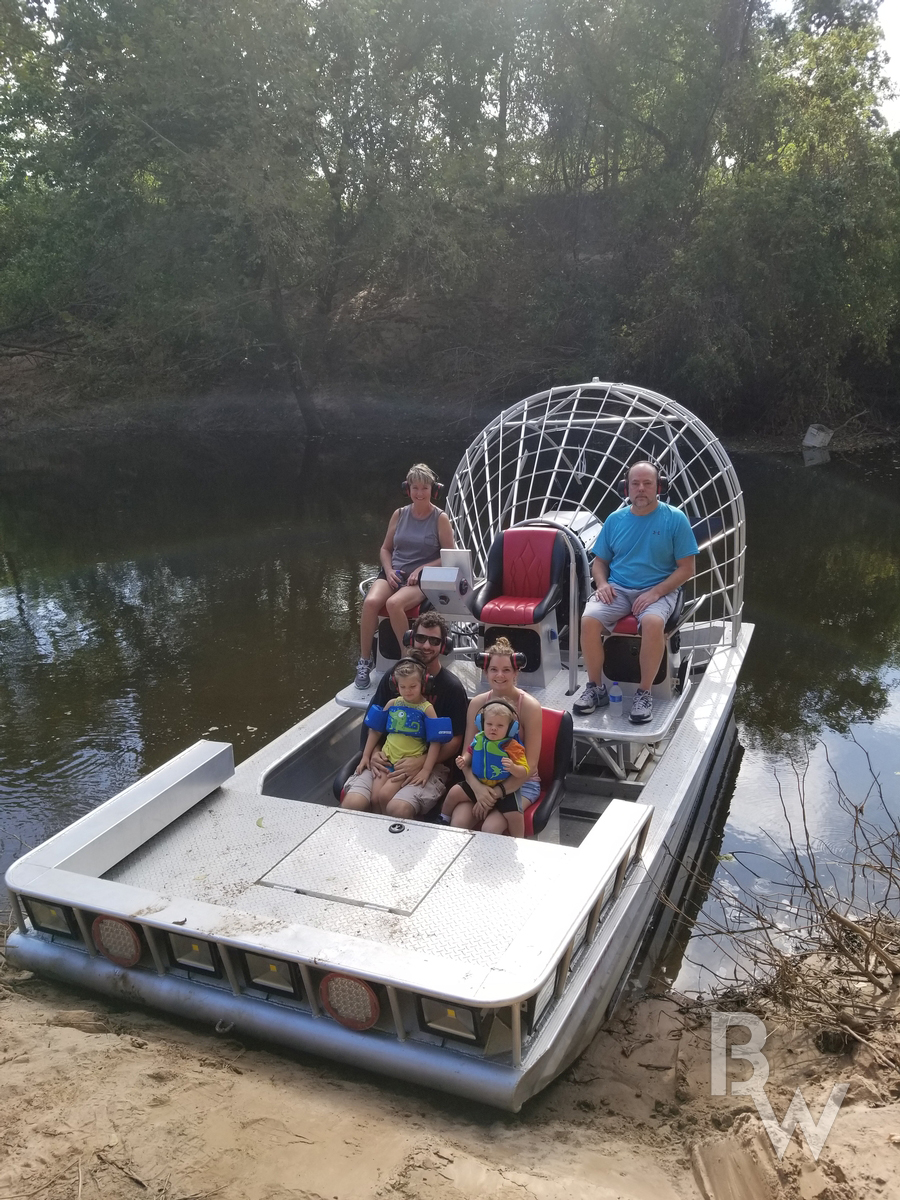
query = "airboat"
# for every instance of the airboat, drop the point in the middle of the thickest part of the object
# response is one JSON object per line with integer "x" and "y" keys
{"x": 476, "y": 964}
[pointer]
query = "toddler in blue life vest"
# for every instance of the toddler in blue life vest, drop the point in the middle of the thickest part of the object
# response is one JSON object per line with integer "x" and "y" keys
{"x": 494, "y": 757}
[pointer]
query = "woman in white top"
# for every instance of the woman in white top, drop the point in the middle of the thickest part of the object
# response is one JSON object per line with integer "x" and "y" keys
{"x": 415, "y": 536}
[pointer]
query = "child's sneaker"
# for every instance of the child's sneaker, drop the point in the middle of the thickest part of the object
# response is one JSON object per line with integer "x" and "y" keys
{"x": 364, "y": 669}
{"x": 641, "y": 708}
{"x": 594, "y": 696}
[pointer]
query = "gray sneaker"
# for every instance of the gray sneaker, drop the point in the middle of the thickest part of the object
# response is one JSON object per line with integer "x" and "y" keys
{"x": 594, "y": 696}
{"x": 641, "y": 708}
{"x": 364, "y": 669}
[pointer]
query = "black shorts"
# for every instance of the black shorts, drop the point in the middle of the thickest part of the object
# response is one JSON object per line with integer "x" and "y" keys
{"x": 511, "y": 802}
{"x": 382, "y": 574}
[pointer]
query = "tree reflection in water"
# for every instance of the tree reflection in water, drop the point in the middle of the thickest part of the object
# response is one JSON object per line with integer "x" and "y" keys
{"x": 823, "y": 588}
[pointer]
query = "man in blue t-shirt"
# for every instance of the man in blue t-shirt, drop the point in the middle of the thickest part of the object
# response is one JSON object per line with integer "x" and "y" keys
{"x": 644, "y": 553}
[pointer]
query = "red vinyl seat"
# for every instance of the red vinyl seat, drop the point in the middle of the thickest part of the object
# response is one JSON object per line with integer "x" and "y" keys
{"x": 629, "y": 625}
{"x": 555, "y": 760}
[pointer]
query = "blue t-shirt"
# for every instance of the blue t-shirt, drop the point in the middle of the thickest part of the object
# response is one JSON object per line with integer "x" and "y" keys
{"x": 643, "y": 551}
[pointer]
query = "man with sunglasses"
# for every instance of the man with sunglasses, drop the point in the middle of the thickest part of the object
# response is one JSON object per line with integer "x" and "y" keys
{"x": 430, "y": 631}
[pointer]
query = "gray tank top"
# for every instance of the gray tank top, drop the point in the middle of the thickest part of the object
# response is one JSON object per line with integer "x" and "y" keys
{"x": 415, "y": 541}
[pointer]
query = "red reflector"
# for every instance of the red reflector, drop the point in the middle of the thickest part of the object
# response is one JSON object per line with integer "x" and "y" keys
{"x": 116, "y": 940}
{"x": 350, "y": 1001}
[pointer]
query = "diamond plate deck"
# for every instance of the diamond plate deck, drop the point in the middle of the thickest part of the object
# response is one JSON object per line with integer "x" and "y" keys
{"x": 217, "y": 853}
{"x": 391, "y": 865}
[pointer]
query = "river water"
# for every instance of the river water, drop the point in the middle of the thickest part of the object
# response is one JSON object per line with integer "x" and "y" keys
{"x": 156, "y": 587}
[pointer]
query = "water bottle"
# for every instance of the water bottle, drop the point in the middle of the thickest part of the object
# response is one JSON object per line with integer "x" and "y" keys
{"x": 615, "y": 701}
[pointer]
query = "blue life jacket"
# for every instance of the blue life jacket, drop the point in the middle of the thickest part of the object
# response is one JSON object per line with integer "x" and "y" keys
{"x": 411, "y": 721}
{"x": 486, "y": 758}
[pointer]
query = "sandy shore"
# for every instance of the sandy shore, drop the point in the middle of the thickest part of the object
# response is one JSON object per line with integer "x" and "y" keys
{"x": 98, "y": 1102}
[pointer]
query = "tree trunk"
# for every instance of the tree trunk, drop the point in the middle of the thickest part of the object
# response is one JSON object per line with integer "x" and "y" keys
{"x": 288, "y": 347}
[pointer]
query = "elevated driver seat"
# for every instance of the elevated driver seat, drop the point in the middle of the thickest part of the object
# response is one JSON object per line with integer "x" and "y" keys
{"x": 526, "y": 571}
{"x": 622, "y": 648}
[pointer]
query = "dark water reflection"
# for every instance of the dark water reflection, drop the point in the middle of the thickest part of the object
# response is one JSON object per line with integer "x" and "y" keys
{"x": 157, "y": 588}
{"x": 823, "y": 587}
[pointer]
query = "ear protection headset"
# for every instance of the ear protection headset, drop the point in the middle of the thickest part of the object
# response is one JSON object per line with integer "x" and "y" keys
{"x": 513, "y": 730}
{"x": 436, "y": 486}
{"x": 662, "y": 480}
{"x": 427, "y": 680}
{"x": 410, "y": 636}
{"x": 482, "y": 658}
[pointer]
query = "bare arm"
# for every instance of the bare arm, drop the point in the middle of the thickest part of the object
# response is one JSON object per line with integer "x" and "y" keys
{"x": 532, "y": 722}
{"x": 604, "y": 590}
{"x": 387, "y": 550}
{"x": 518, "y": 772}
{"x": 371, "y": 742}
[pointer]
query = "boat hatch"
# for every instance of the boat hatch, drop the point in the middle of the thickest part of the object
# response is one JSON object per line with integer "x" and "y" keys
{"x": 375, "y": 864}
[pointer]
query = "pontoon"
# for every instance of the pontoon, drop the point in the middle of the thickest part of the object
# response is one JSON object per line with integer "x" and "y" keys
{"x": 476, "y": 964}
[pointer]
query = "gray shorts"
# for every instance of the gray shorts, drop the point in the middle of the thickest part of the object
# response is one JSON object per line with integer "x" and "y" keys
{"x": 421, "y": 797}
{"x": 608, "y": 614}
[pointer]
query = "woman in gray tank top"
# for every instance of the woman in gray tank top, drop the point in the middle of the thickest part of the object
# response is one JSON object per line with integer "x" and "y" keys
{"x": 415, "y": 537}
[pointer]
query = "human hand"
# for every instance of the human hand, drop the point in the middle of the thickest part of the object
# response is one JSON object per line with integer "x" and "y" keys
{"x": 461, "y": 761}
{"x": 644, "y": 600}
{"x": 605, "y": 593}
{"x": 483, "y": 794}
{"x": 507, "y": 763}
{"x": 414, "y": 579}
{"x": 394, "y": 579}
{"x": 421, "y": 778}
{"x": 483, "y": 807}
{"x": 378, "y": 762}
{"x": 406, "y": 768}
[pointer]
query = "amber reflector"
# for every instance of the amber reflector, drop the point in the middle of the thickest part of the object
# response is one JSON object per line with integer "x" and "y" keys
{"x": 350, "y": 1001}
{"x": 116, "y": 940}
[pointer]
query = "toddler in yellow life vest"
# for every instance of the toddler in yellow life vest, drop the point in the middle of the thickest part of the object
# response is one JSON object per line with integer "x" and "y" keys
{"x": 494, "y": 757}
{"x": 408, "y": 727}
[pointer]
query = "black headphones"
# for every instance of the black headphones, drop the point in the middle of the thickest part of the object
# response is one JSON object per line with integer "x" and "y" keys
{"x": 482, "y": 658}
{"x": 662, "y": 480}
{"x": 410, "y": 636}
{"x": 435, "y": 485}
{"x": 427, "y": 680}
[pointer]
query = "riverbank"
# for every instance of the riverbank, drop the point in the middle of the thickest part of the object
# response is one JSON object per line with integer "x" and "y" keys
{"x": 102, "y": 1101}
{"x": 38, "y": 406}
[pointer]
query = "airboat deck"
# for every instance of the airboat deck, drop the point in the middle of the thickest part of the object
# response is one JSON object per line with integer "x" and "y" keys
{"x": 476, "y": 964}
{"x": 602, "y": 725}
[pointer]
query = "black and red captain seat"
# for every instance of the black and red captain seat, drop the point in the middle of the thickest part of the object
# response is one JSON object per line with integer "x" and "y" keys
{"x": 526, "y": 569}
{"x": 622, "y": 647}
{"x": 526, "y": 582}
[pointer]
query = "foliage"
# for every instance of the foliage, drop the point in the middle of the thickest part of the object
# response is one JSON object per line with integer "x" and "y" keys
{"x": 698, "y": 196}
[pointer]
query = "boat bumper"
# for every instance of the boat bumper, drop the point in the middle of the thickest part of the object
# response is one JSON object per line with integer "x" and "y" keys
{"x": 415, "y": 1062}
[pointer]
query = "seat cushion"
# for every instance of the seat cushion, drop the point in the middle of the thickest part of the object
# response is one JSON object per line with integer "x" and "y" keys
{"x": 510, "y": 610}
{"x": 626, "y": 625}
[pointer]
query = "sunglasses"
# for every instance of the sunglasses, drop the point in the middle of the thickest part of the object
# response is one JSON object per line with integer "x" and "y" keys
{"x": 426, "y": 639}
